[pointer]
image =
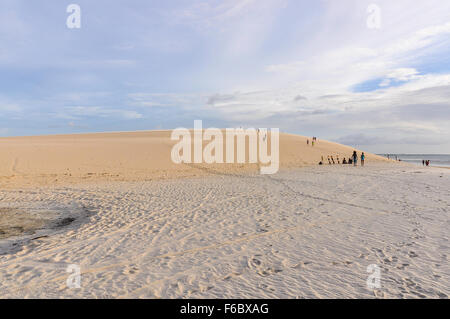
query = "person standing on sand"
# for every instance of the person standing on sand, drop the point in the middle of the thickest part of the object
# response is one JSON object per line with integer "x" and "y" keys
{"x": 307, "y": 142}
{"x": 363, "y": 157}
{"x": 355, "y": 158}
{"x": 423, "y": 162}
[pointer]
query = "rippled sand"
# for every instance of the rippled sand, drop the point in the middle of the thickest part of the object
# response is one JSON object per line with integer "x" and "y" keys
{"x": 308, "y": 232}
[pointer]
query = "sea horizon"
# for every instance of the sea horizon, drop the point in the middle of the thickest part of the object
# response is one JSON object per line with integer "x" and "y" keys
{"x": 435, "y": 159}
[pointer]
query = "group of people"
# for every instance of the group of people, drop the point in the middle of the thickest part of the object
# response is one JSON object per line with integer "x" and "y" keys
{"x": 351, "y": 160}
{"x": 426, "y": 162}
{"x": 313, "y": 141}
{"x": 393, "y": 156}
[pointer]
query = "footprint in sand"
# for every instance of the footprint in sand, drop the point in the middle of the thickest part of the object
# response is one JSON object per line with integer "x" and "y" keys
{"x": 347, "y": 263}
{"x": 402, "y": 266}
{"x": 378, "y": 294}
{"x": 261, "y": 269}
{"x": 302, "y": 264}
{"x": 389, "y": 260}
{"x": 253, "y": 263}
{"x": 231, "y": 276}
{"x": 268, "y": 271}
{"x": 441, "y": 295}
{"x": 131, "y": 269}
{"x": 266, "y": 287}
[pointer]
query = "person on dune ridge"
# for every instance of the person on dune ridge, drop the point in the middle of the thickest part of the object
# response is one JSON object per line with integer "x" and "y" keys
{"x": 355, "y": 158}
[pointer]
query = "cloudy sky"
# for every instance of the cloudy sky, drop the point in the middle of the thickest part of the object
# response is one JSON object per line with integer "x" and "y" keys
{"x": 326, "y": 68}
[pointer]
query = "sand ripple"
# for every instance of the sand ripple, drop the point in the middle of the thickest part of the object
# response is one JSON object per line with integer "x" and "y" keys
{"x": 301, "y": 233}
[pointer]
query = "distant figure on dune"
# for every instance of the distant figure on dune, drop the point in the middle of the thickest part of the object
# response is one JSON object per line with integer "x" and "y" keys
{"x": 355, "y": 158}
{"x": 307, "y": 142}
{"x": 363, "y": 157}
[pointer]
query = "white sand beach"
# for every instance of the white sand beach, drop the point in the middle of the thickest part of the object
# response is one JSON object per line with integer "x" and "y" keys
{"x": 140, "y": 226}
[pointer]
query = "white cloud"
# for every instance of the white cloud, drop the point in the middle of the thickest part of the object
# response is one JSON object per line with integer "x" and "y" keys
{"x": 75, "y": 112}
{"x": 403, "y": 74}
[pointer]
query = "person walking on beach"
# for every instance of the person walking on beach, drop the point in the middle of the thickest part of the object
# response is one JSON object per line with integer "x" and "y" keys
{"x": 307, "y": 142}
{"x": 423, "y": 162}
{"x": 355, "y": 158}
{"x": 363, "y": 157}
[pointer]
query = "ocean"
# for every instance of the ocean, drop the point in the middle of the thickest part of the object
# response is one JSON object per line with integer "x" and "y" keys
{"x": 435, "y": 159}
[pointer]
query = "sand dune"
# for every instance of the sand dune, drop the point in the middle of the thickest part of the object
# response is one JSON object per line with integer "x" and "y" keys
{"x": 129, "y": 156}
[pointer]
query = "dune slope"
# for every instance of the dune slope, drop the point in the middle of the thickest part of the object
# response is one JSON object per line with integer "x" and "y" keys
{"x": 128, "y": 156}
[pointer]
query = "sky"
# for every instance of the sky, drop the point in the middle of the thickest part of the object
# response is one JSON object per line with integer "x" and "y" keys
{"x": 371, "y": 74}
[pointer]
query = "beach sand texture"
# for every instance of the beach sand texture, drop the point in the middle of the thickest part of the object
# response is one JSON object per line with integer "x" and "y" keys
{"x": 305, "y": 232}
